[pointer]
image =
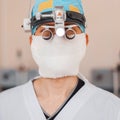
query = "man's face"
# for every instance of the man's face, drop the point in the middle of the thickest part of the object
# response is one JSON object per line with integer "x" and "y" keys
{"x": 56, "y": 57}
{"x": 41, "y": 28}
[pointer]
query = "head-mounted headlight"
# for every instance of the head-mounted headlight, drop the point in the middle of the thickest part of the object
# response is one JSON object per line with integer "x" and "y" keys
{"x": 58, "y": 16}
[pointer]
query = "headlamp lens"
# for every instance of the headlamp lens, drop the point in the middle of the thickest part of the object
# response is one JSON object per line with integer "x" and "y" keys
{"x": 60, "y": 32}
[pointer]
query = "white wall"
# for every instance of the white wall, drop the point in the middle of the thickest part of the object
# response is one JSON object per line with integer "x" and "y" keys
{"x": 12, "y": 35}
{"x": 103, "y": 28}
{"x": 103, "y": 20}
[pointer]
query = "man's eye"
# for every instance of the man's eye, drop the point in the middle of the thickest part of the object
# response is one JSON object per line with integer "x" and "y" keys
{"x": 42, "y": 30}
{"x": 77, "y": 29}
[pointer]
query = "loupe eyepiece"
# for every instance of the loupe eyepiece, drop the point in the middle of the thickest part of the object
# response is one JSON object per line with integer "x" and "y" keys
{"x": 47, "y": 34}
{"x": 70, "y": 34}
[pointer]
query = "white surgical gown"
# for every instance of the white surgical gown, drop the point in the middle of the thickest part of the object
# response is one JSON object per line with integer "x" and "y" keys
{"x": 89, "y": 103}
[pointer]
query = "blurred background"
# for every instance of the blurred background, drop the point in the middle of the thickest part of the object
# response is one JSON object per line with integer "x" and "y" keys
{"x": 101, "y": 64}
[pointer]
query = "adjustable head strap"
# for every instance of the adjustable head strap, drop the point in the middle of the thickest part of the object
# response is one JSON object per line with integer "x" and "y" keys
{"x": 70, "y": 17}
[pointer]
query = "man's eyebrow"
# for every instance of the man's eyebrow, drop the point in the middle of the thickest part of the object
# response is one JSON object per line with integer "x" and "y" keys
{"x": 52, "y": 24}
{"x": 40, "y": 27}
{"x": 49, "y": 24}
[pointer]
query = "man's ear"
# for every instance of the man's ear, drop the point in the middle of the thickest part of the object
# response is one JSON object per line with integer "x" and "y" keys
{"x": 30, "y": 39}
{"x": 87, "y": 39}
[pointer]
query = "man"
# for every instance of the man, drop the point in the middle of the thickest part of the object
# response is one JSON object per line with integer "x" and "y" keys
{"x": 58, "y": 44}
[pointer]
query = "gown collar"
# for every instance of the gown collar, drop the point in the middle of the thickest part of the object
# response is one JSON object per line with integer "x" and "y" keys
{"x": 70, "y": 109}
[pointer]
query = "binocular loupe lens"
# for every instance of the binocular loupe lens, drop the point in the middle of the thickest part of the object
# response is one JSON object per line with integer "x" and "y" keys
{"x": 70, "y": 34}
{"x": 47, "y": 35}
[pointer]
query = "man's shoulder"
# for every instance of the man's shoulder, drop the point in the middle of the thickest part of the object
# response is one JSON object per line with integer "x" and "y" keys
{"x": 107, "y": 93}
{"x": 13, "y": 103}
{"x": 106, "y": 96}
{"x": 12, "y": 93}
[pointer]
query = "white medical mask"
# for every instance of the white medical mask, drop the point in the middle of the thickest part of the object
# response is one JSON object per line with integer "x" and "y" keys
{"x": 58, "y": 57}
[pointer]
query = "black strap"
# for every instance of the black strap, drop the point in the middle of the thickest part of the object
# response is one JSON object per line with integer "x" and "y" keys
{"x": 71, "y": 16}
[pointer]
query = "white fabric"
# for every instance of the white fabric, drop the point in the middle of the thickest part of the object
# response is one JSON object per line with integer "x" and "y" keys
{"x": 89, "y": 103}
{"x": 58, "y": 57}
